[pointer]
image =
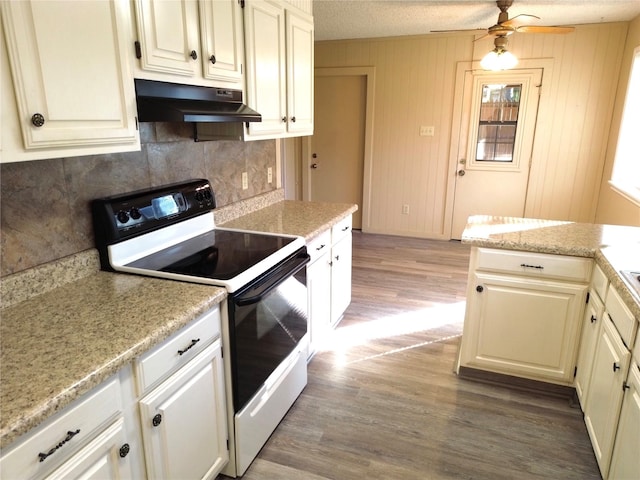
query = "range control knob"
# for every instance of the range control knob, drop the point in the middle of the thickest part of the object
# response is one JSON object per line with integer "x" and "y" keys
{"x": 199, "y": 196}
{"x": 207, "y": 194}
{"x": 135, "y": 213}
{"x": 122, "y": 216}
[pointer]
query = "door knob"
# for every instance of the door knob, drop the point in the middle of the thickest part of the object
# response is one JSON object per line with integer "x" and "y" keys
{"x": 461, "y": 173}
{"x": 314, "y": 165}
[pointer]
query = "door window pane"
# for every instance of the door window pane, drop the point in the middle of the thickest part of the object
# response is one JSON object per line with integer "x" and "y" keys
{"x": 498, "y": 122}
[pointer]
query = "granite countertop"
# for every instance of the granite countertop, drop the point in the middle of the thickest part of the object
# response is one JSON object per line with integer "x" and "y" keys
{"x": 306, "y": 219}
{"x": 614, "y": 247}
{"x": 59, "y": 340}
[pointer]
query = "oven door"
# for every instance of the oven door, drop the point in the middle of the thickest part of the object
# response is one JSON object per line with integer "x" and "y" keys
{"x": 268, "y": 319}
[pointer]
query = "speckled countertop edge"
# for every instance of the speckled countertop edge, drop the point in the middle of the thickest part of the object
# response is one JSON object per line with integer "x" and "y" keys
{"x": 563, "y": 238}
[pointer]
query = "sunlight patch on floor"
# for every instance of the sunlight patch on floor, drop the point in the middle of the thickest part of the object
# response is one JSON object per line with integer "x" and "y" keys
{"x": 342, "y": 339}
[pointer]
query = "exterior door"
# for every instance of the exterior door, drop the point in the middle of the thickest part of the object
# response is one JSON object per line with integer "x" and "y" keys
{"x": 335, "y": 170}
{"x": 496, "y": 139}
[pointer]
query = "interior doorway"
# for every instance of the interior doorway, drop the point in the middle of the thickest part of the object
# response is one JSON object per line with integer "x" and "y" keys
{"x": 496, "y": 135}
{"x": 336, "y": 157}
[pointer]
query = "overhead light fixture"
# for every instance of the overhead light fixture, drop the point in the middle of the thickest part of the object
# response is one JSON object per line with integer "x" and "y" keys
{"x": 499, "y": 58}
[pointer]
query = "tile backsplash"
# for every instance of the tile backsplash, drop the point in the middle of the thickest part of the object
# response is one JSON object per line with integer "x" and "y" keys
{"x": 45, "y": 205}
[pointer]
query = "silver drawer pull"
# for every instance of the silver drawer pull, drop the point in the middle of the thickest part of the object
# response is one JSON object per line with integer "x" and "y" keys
{"x": 538, "y": 267}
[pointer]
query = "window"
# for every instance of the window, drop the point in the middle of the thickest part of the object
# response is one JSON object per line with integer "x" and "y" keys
{"x": 498, "y": 122}
{"x": 626, "y": 167}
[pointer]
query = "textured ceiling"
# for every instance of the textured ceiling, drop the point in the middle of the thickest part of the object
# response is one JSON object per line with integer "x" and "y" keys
{"x": 341, "y": 19}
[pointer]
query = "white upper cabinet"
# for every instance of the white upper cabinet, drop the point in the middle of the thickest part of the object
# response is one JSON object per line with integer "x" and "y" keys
{"x": 73, "y": 90}
{"x": 279, "y": 54}
{"x": 222, "y": 40}
{"x": 186, "y": 41}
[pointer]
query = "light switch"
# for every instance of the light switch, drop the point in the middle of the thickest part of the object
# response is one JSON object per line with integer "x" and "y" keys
{"x": 427, "y": 131}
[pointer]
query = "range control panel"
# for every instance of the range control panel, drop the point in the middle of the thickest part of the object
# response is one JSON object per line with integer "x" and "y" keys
{"x": 122, "y": 216}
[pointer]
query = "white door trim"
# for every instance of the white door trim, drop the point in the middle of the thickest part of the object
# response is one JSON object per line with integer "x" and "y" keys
{"x": 369, "y": 74}
{"x": 457, "y": 129}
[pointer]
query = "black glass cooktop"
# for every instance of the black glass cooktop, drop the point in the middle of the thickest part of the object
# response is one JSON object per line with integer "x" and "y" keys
{"x": 218, "y": 254}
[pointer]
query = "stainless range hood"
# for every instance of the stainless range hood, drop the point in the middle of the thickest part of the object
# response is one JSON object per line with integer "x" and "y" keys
{"x": 173, "y": 102}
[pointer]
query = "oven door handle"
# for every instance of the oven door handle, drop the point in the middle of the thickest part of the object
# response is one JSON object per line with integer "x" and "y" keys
{"x": 272, "y": 280}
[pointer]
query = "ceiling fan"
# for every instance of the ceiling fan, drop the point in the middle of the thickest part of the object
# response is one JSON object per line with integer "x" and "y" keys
{"x": 518, "y": 24}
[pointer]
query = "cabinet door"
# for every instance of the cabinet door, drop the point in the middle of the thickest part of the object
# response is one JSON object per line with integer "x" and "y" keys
{"x": 184, "y": 421}
{"x": 299, "y": 74}
{"x": 591, "y": 326}
{"x": 168, "y": 33}
{"x": 265, "y": 57}
{"x": 319, "y": 288}
{"x": 71, "y": 73}
{"x": 522, "y": 326}
{"x": 105, "y": 457}
{"x": 610, "y": 366}
{"x": 222, "y": 40}
{"x": 340, "y": 277}
{"x": 625, "y": 462}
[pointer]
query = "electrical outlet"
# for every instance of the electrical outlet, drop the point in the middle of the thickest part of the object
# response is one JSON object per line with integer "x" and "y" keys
{"x": 269, "y": 175}
{"x": 245, "y": 180}
{"x": 405, "y": 209}
{"x": 427, "y": 131}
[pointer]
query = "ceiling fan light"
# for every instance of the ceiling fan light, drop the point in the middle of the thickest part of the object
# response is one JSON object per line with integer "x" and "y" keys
{"x": 498, "y": 60}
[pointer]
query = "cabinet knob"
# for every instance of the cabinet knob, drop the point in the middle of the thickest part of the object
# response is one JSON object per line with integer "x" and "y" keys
{"x": 37, "y": 119}
{"x": 293, "y": 119}
{"x": 212, "y": 59}
{"x": 194, "y": 54}
{"x": 284, "y": 119}
{"x": 157, "y": 420}
{"x": 593, "y": 319}
{"x": 616, "y": 366}
{"x": 124, "y": 450}
{"x": 625, "y": 386}
{"x": 479, "y": 289}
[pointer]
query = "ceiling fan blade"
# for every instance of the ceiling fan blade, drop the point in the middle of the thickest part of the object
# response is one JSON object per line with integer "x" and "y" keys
{"x": 520, "y": 20}
{"x": 541, "y": 29}
{"x": 458, "y": 31}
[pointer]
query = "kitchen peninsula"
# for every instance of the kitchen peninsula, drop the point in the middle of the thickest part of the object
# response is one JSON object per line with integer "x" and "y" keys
{"x": 547, "y": 303}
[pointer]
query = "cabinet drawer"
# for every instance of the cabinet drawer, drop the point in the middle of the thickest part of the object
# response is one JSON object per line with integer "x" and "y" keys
{"x": 340, "y": 229}
{"x": 176, "y": 351}
{"x": 599, "y": 282}
{"x": 535, "y": 264}
{"x": 319, "y": 245}
{"x": 64, "y": 434}
{"x": 621, "y": 317}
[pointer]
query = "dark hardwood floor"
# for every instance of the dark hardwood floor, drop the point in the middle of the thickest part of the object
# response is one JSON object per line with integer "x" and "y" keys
{"x": 382, "y": 401}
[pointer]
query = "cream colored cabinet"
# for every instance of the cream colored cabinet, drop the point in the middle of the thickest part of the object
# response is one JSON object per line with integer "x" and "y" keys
{"x": 523, "y": 314}
{"x": 73, "y": 91}
{"x": 183, "y": 407}
{"x": 607, "y": 383}
{"x": 88, "y": 439}
{"x": 329, "y": 280}
{"x": 319, "y": 290}
{"x": 604, "y": 397}
{"x": 189, "y": 41}
{"x": 591, "y": 327}
{"x": 625, "y": 462}
{"x": 279, "y": 55}
{"x": 341, "y": 263}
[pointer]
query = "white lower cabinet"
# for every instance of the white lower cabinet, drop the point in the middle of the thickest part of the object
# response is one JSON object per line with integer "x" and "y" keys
{"x": 604, "y": 398}
{"x": 523, "y": 314}
{"x": 625, "y": 462}
{"x": 329, "y": 280}
{"x": 88, "y": 439}
{"x": 182, "y": 404}
{"x": 591, "y": 327}
{"x": 184, "y": 421}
